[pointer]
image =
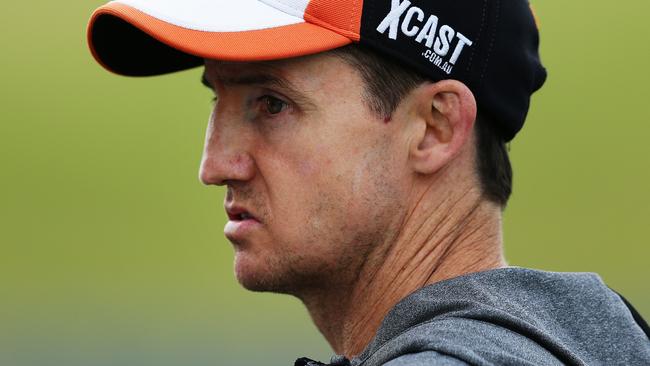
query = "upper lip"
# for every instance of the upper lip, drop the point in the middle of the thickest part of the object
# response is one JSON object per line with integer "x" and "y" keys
{"x": 238, "y": 213}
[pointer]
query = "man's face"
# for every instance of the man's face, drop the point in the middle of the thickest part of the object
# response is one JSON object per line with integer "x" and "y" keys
{"x": 322, "y": 176}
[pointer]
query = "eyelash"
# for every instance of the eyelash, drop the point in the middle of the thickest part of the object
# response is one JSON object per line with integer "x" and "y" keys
{"x": 265, "y": 100}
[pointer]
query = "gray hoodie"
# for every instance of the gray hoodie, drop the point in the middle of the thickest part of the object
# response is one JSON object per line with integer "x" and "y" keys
{"x": 510, "y": 316}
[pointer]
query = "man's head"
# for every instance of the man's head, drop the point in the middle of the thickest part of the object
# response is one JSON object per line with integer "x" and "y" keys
{"x": 328, "y": 168}
{"x": 327, "y": 151}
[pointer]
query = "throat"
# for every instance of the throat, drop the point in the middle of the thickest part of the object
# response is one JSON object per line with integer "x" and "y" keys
{"x": 430, "y": 246}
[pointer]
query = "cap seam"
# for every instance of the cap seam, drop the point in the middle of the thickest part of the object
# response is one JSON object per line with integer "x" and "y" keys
{"x": 480, "y": 35}
{"x": 354, "y": 13}
{"x": 492, "y": 39}
{"x": 321, "y": 23}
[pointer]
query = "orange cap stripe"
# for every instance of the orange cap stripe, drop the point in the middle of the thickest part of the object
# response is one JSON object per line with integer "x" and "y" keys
{"x": 341, "y": 16}
{"x": 257, "y": 45}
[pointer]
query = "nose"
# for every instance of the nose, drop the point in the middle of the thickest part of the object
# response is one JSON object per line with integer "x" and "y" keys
{"x": 226, "y": 155}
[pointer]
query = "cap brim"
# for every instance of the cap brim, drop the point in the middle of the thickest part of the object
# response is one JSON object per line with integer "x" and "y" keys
{"x": 135, "y": 42}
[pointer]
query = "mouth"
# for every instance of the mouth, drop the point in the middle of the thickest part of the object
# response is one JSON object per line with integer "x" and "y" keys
{"x": 239, "y": 214}
{"x": 241, "y": 222}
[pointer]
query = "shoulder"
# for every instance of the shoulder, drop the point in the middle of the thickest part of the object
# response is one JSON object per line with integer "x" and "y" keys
{"x": 425, "y": 358}
{"x": 509, "y": 315}
{"x": 460, "y": 341}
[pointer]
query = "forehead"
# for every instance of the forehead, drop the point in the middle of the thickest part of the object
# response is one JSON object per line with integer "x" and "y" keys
{"x": 299, "y": 73}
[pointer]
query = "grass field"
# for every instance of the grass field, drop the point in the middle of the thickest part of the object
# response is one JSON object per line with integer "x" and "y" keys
{"x": 113, "y": 253}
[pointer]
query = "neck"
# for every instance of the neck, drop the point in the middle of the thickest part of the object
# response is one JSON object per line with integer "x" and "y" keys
{"x": 435, "y": 240}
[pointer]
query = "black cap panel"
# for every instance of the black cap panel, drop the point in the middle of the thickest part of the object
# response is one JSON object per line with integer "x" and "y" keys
{"x": 490, "y": 45}
{"x": 439, "y": 38}
{"x": 514, "y": 70}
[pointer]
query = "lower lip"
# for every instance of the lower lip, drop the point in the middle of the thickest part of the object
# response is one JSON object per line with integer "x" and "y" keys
{"x": 237, "y": 229}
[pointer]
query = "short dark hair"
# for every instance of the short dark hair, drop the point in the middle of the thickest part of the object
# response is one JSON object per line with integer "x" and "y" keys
{"x": 388, "y": 82}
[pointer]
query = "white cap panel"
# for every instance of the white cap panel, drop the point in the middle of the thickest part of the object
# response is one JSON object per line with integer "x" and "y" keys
{"x": 294, "y": 7}
{"x": 216, "y": 15}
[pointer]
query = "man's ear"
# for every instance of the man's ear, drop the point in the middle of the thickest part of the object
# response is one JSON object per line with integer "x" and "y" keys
{"x": 445, "y": 114}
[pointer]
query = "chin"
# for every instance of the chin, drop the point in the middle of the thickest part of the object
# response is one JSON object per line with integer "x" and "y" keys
{"x": 258, "y": 275}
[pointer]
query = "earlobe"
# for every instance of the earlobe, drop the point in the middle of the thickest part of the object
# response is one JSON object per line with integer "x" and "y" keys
{"x": 446, "y": 113}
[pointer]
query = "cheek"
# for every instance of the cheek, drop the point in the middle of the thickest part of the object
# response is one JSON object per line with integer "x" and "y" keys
{"x": 325, "y": 188}
{"x": 359, "y": 180}
{"x": 308, "y": 168}
{"x": 304, "y": 197}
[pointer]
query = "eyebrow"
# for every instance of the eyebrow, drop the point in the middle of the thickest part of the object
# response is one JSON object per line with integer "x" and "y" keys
{"x": 253, "y": 79}
{"x": 262, "y": 80}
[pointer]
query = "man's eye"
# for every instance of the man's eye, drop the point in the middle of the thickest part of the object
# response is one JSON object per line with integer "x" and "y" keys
{"x": 273, "y": 105}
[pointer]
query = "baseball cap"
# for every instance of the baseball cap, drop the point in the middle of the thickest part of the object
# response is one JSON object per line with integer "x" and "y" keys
{"x": 489, "y": 45}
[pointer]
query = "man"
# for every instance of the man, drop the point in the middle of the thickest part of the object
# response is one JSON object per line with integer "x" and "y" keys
{"x": 363, "y": 147}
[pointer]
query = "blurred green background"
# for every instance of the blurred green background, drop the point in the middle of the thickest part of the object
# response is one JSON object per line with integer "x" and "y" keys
{"x": 112, "y": 252}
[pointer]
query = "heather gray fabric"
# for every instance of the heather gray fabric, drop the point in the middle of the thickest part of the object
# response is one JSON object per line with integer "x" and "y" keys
{"x": 510, "y": 316}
